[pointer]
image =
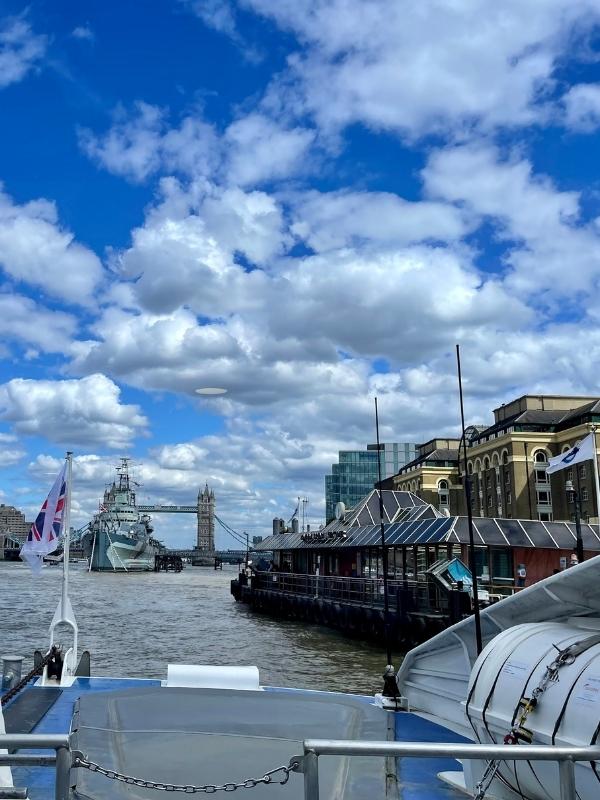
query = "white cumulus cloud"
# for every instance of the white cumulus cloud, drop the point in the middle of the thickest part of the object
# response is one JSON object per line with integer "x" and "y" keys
{"x": 582, "y": 107}
{"x": 34, "y": 249}
{"x": 434, "y": 66}
{"x": 71, "y": 412}
{"x": 552, "y": 253}
{"x": 21, "y": 50}
{"x": 25, "y": 321}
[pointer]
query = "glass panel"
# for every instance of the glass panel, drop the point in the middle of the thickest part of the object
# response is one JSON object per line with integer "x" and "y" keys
{"x": 371, "y": 536}
{"x": 420, "y": 531}
{"x": 538, "y": 534}
{"x": 356, "y": 536}
{"x": 397, "y": 531}
{"x": 439, "y": 529}
{"x": 501, "y": 563}
{"x": 481, "y": 562}
{"x": 561, "y": 534}
{"x": 410, "y": 563}
{"x": 409, "y": 528}
{"x": 489, "y": 532}
{"x": 462, "y": 531}
{"x": 514, "y": 533}
{"x": 390, "y": 530}
{"x": 589, "y": 536}
{"x": 421, "y": 563}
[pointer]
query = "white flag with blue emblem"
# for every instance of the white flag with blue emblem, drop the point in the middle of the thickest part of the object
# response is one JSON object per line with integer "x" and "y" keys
{"x": 582, "y": 451}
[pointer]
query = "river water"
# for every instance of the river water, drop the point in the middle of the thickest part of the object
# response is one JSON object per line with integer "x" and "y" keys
{"x": 134, "y": 625}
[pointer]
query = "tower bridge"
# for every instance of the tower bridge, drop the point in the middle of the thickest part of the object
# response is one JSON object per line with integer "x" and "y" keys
{"x": 204, "y": 551}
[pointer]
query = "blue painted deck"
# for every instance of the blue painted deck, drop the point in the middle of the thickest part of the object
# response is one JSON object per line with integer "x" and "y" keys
{"x": 417, "y": 777}
{"x": 40, "y": 780}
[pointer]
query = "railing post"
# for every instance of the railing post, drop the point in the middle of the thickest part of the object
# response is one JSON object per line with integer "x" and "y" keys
{"x": 63, "y": 769}
{"x": 311, "y": 775}
{"x": 566, "y": 771}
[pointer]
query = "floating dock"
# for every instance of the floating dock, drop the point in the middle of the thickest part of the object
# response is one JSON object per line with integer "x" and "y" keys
{"x": 354, "y": 606}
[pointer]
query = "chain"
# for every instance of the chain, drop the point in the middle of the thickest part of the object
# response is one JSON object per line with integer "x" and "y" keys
{"x": 79, "y": 760}
{"x": 54, "y": 650}
{"x": 486, "y": 779}
{"x": 564, "y": 658}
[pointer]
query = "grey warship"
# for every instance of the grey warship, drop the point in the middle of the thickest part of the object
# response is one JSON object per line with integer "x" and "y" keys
{"x": 119, "y": 537}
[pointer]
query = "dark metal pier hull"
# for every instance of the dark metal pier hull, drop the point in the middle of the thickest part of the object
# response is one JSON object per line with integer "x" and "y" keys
{"x": 409, "y": 623}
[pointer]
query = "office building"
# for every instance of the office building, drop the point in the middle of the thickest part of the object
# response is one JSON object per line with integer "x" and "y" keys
{"x": 356, "y": 473}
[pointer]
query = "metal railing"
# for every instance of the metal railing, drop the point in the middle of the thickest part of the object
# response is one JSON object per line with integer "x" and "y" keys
{"x": 33, "y": 741}
{"x": 362, "y": 591}
{"x": 308, "y": 763}
{"x": 565, "y": 756}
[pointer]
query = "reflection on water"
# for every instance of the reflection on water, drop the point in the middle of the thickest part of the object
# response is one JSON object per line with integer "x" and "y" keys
{"x": 135, "y": 624}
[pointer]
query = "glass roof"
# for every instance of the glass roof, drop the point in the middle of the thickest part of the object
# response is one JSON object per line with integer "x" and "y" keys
{"x": 487, "y": 531}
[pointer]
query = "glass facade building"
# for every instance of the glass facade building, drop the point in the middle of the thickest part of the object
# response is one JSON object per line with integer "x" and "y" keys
{"x": 356, "y": 473}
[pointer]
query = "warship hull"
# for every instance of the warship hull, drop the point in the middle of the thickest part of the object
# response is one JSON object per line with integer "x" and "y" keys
{"x": 117, "y": 552}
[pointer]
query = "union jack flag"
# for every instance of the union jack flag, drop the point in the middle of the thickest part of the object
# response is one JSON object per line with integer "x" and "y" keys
{"x": 45, "y": 531}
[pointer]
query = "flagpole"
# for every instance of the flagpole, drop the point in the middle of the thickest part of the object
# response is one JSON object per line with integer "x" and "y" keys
{"x": 64, "y": 611}
{"x": 67, "y": 532}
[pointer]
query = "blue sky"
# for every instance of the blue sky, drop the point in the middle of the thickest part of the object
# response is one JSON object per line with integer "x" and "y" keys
{"x": 306, "y": 202}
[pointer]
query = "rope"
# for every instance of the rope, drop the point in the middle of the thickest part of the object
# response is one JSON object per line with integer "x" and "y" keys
{"x": 50, "y": 655}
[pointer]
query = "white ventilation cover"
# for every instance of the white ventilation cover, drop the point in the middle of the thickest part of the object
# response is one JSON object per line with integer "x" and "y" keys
{"x": 206, "y": 676}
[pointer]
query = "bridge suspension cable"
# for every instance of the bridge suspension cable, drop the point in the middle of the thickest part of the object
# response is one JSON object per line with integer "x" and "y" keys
{"x": 239, "y": 537}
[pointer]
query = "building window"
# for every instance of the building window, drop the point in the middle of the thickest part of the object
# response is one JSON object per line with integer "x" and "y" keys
{"x": 582, "y": 471}
{"x": 543, "y": 498}
{"x": 507, "y": 478}
{"x": 584, "y": 494}
{"x": 541, "y": 476}
{"x": 489, "y": 482}
{"x": 569, "y": 475}
{"x": 489, "y": 501}
{"x": 540, "y": 457}
{"x": 545, "y": 516}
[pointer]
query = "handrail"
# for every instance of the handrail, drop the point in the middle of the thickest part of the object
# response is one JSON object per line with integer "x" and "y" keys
{"x": 40, "y": 741}
{"x": 308, "y": 764}
{"x": 565, "y": 756}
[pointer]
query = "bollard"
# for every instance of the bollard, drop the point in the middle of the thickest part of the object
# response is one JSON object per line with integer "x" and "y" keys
{"x": 11, "y": 671}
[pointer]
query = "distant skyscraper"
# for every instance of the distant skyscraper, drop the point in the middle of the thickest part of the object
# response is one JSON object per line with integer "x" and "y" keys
{"x": 206, "y": 520}
{"x": 356, "y": 472}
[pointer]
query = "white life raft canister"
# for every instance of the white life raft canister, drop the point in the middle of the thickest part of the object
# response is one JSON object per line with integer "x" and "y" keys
{"x": 567, "y": 712}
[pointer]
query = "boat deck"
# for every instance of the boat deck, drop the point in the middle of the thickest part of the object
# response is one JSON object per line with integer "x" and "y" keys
{"x": 268, "y": 722}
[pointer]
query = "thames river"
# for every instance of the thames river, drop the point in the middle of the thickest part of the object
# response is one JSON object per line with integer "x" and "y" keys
{"x": 134, "y": 625}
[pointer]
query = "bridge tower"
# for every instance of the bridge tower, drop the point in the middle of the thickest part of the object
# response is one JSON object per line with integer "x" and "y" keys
{"x": 206, "y": 521}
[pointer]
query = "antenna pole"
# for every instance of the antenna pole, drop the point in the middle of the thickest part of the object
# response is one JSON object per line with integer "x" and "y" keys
{"x": 467, "y": 486}
{"x": 386, "y": 610}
